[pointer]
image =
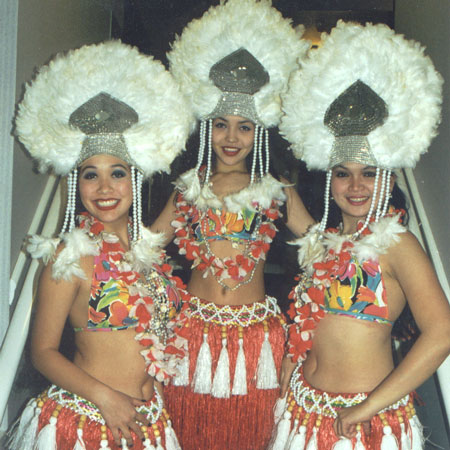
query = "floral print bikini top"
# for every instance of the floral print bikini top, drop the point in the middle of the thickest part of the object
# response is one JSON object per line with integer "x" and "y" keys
{"x": 113, "y": 289}
{"x": 341, "y": 276}
{"x": 353, "y": 288}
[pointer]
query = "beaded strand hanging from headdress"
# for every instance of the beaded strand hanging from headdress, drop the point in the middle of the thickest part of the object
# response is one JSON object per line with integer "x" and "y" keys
{"x": 94, "y": 109}
{"x": 369, "y": 96}
{"x": 240, "y": 69}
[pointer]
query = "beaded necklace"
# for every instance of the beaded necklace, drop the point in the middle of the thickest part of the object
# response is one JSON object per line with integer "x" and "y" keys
{"x": 203, "y": 257}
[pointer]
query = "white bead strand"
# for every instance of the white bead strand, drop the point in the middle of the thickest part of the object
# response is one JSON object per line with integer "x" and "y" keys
{"x": 255, "y": 154}
{"x": 208, "y": 164}
{"x": 326, "y": 206}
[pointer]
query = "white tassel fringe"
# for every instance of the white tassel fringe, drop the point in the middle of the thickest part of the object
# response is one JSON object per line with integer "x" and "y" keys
{"x": 202, "y": 375}
{"x": 266, "y": 372}
{"x": 221, "y": 382}
{"x": 46, "y": 439}
{"x": 240, "y": 373}
{"x": 389, "y": 442}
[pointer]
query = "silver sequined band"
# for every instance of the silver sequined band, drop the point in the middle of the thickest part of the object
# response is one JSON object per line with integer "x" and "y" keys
{"x": 351, "y": 149}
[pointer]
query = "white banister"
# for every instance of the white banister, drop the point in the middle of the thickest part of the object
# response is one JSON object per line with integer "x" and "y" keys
{"x": 16, "y": 335}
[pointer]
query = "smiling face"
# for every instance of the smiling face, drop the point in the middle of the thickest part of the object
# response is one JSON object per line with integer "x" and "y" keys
{"x": 232, "y": 141}
{"x": 352, "y": 187}
{"x": 105, "y": 189}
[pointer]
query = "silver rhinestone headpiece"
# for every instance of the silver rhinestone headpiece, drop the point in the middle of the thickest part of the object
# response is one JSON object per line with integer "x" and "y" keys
{"x": 103, "y": 119}
{"x": 239, "y": 75}
{"x": 351, "y": 117}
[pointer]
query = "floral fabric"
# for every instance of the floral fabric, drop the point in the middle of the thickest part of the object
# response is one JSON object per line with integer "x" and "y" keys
{"x": 255, "y": 228}
{"x": 340, "y": 284}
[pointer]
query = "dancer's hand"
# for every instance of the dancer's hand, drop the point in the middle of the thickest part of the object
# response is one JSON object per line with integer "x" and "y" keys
{"x": 121, "y": 417}
{"x": 287, "y": 367}
{"x": 348, "y": 419}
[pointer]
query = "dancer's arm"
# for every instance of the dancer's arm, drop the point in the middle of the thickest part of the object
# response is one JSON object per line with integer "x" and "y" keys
{"x": 417, "y": 279}
{"x": 55, "y": 301}
{"x": 164, "y": 220}
{"x": 298, "y": 217}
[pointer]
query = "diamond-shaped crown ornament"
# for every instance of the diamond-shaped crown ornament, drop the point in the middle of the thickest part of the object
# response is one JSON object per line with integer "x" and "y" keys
{"x": 240, "y": 72}
{"x": 238, "y": 75}
{"x": 103, "y": 119}
{"x": 351, "y": 117}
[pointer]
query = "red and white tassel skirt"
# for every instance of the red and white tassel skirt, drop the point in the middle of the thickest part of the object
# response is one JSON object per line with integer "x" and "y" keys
{"x": 306, "y": 417}
{"x": 228, "y": 386}
{"x": 64, "y": 421}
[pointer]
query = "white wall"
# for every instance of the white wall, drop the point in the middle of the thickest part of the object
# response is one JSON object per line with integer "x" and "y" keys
{"x": 46, "y": 27}
{"x": 428, "y": 21}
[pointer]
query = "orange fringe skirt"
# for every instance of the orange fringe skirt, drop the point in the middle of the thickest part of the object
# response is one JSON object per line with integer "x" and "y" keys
{"x": 62, "y": 420}
{"x": 229, "y": 385}
{"x": 305, "y": 420}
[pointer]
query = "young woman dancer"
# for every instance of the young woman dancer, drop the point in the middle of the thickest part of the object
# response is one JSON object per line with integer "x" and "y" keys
{"x": 83, "y": 117}
{"x": 366, "y": 102}
{"x": 232, "y": 64}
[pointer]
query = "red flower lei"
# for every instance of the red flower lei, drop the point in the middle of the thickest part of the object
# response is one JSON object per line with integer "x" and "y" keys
{"x": 161, "y": 358}
{"x": 308, "y": 294}
{"x": 227, "y": 268}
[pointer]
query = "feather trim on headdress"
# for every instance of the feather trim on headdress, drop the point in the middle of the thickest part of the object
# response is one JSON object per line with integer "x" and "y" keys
{"x": 252, "y": 25}
{"x": 121, "y": 72}
{"x": 394, "y": 68}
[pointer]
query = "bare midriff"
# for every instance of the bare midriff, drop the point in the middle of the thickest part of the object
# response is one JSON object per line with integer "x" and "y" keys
{"x": 208, "y": 288}
{"x": 113, "y": 358}
{"x": 349, "y": 355}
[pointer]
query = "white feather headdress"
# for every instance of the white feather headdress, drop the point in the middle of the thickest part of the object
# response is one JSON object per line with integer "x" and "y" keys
{"x": 237, "y": 24}
{"x": 394, "y": 68}
{"x": 70, "y": 80}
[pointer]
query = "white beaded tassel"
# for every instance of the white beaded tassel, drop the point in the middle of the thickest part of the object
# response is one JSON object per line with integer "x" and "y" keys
{"x": 292, "y": 434}
{"x": 404, "y": 438}
{"x": 202, "y": 375}
{"x": 282, "y": 432}
{"x": 24, "y": 430}
{"x": 171, "y": 438}
{"x": 80, "y": 445}
{"x": 279, "y": 408}
{"x": 372, "y": 205}
{"x": 299, "y": 441}
{"x": 240, "y": 372}
{"x": 326, "y": 205}
{"x": 255, "y": 155}
{"x": 312, "y": 443}
{"x": 209, "y": 156}
{"x": 417, "y": 439}
{"x": 266, "y": 141}
{"x": 221, "y": 382}
{"x": 359, "y": 444}
{"x": 266, "y": 372}
{"x": 46, "y": 439}
{"x": 389, "y": 441}
{"x": 343, "y": 444}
